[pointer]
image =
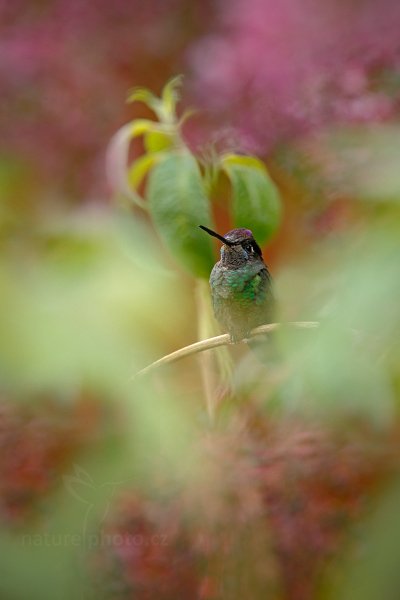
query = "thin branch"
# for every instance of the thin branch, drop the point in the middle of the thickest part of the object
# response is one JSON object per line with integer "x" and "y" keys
{"x": 219, "y": 340}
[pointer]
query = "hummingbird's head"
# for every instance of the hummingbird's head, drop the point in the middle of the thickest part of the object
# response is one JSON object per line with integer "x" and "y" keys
{"x": 239, "y": 247}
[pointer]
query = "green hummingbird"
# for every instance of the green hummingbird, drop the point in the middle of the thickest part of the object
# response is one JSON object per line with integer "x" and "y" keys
{"x": 241, "y": 286}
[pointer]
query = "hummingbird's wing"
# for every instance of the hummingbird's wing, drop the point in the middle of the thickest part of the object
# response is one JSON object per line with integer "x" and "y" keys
{"x": 233, "y": 283}
{"x": 262, "y": 285}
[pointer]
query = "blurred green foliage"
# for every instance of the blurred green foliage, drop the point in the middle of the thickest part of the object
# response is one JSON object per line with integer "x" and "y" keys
{"x": 86, "y": 278}
{"x": 346, "y": 367}
{"x": 83, "y": 305}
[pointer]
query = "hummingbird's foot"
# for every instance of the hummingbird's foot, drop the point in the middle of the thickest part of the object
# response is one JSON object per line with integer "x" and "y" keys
{"x": 236, "y": 339}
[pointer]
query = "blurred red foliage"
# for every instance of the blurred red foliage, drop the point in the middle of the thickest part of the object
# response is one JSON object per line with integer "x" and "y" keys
{"x": 37, "y": 441}
{"x": 273, "y": 510}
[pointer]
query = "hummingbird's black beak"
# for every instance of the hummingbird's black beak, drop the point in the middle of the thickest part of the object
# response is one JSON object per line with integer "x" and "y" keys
{"x": 216, "y": 235}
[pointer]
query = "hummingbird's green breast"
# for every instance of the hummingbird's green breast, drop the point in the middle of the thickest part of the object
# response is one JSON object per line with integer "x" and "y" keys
{"x": 242, "y": 298}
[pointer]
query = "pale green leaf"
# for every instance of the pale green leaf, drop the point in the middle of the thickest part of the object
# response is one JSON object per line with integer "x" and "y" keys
{"x": 178, "y": 205}
{"x": 141, "y": 167}
{"x": 140, "y": 94}
{"x": 244, "y": 161}
{"x": 155, "y": 141}
{"x": 118, "y": 155}
{"x": 171, "y": 96}
{"x": 187, "y": 114}
{"x": 256, "y": 202}
{"x": 142, "y": 126}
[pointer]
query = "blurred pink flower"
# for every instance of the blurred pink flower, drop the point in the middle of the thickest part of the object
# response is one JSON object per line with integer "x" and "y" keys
{"x": 264, "y": 72}
{"x": 278, "y": 69}
{"x": 65, "y": 69}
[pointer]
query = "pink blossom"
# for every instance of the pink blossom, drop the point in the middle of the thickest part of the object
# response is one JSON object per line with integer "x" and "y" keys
{"x": 277, "y": 69}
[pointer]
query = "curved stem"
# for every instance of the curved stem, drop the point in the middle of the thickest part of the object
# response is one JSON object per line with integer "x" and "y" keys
{"x": 219, "y": 340}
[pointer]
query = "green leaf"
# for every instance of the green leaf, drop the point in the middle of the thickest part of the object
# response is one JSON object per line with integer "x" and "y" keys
{"x": 178, "y": 205}
{"x": 256, "y": 202}
{"x": 187, "y": 114}
{"x": 119, "y": 175}
{"x": 141, "y": 167}
{"x": 140, "y": 94}
{"x": 141, "y": 127}
{"x": 117, "y": 160}
{"x": 164, "y": 107}
{"x": 155, "y": 141}
{"x": 171, "y": 96}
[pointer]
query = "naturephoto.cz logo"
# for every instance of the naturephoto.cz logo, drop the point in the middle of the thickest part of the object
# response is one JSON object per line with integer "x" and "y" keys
{"x": 96, "y": 500}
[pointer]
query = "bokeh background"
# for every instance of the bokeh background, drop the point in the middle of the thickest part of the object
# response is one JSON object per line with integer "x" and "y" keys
{"x": 122, "y": 489}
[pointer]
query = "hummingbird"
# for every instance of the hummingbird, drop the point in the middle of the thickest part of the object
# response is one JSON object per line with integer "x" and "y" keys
{"x": 241, "y": 286}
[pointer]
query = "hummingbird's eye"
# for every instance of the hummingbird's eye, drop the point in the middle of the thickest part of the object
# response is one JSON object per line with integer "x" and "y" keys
{"x": 248, "y": 246}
